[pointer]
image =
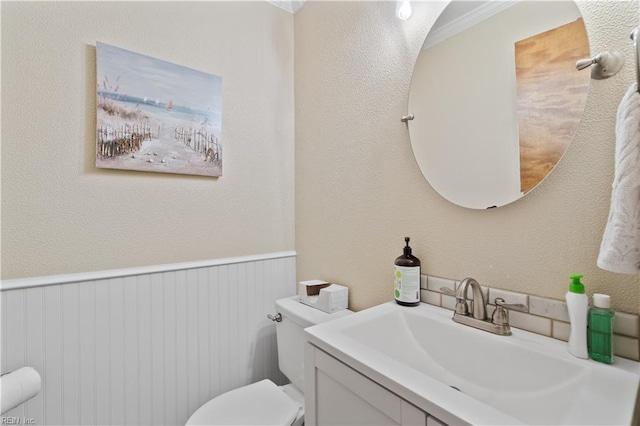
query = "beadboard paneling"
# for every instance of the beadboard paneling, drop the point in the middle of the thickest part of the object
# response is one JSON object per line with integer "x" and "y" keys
{"x": 148, "y": 348}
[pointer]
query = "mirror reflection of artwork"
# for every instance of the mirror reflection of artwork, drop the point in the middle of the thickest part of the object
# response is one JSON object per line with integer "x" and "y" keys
{"x": 469, "y": 105}
{"x": 551, "y": 95}
{"x": 156, "y": 116}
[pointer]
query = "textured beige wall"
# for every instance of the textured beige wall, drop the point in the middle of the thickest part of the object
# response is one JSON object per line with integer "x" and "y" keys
{"x": 359, "y": 191}
{"x": 62, "y": 215}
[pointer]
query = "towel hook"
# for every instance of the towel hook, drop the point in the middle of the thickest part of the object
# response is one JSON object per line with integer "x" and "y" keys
{"x": 607, "y": 64}
{"x": 634, "y": 36}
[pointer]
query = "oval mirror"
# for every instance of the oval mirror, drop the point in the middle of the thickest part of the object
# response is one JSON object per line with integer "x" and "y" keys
{"x": 497, "y": 98}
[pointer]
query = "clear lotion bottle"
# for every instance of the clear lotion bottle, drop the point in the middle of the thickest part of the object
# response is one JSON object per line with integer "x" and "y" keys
{"x": 600, "y": 332}
{"x": 407, "y": 278}
{"x": 578, "y": 305}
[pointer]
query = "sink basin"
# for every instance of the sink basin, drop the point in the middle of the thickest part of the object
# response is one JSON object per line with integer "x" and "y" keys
{"x": 461, "y": 374}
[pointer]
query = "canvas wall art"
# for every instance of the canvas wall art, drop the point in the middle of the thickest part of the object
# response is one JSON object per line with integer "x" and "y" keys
{"x": 156, "y": 116}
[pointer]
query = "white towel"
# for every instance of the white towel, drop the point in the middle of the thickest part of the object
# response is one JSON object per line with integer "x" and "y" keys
{"x": 620, "y": 248}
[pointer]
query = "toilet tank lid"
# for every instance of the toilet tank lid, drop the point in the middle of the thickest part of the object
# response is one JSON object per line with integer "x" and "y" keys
{"x": 305, "y": 315}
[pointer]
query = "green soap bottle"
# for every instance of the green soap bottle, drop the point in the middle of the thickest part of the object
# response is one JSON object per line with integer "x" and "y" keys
{"x": 600, "y": 331}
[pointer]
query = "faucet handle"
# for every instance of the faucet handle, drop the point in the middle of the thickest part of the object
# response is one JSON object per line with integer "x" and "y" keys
{"x": 500, "y": 316}
{"x": 500, "y": 303}
{"x": 462, "y": 307}
{"x": 448, "y": 291}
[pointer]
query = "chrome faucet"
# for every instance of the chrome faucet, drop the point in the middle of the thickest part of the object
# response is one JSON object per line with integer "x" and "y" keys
{"x": 499, "y": 322}
{"x": 477, "y": 304}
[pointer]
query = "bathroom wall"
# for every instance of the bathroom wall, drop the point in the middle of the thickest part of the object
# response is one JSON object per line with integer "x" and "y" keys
{"x": 62, "y": 215}
{"x": 144, "y": 346}
{"x": 359, "y": 191}
{"x": 186, "y": 319}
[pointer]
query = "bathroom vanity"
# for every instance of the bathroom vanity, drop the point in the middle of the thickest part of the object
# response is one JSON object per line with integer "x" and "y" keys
{"x": 345, "y": 397}
{"x": 396, "y": 365}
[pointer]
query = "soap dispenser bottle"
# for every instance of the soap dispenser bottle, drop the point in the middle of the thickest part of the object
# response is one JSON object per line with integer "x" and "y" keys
{"x": 577, "y": 304}
{"x": 407, "y": 278}
{"x": 600, "y": 331}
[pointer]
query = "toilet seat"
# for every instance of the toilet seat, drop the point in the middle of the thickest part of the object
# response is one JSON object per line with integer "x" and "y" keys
{"x": 261, "y": 403}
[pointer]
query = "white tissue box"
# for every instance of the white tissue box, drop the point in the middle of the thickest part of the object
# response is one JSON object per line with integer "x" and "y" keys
{"x": 324, "y": 296}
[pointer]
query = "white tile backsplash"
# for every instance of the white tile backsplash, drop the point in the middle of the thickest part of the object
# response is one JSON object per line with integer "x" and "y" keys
{"x": 626, "y": 324}
{"x": 508, "y": 296}
{"x": 430, "y": 297}
{"x": 436, "y": 283}
{"x": 545, "y": 316}
{"x": 448, "y": 302}
{"x": 550, "y": 308}
{"x": 533, "y": 323}
{"x": 626, "y": 347}
{"x": 561, "y": 330}
{"x": 423, "y": 282}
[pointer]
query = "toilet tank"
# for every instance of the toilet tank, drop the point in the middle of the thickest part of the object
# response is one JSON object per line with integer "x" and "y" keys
{"x": 291, "y": 338}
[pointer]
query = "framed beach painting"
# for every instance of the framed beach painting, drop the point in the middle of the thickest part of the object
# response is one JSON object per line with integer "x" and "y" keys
{"x": 156, "y": 116}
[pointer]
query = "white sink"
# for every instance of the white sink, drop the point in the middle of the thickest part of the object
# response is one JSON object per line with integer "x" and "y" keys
{"x": 466, "y": 375}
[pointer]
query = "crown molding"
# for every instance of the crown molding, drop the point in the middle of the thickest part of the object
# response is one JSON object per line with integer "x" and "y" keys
{"x": 296, "y": 5}
{"x": 291, "y": 6}
{"x": 466, "y": 21}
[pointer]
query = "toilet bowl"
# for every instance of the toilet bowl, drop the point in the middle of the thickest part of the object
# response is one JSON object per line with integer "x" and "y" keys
{"x": 264, "y": 402}
{"x": 261, "y": 403}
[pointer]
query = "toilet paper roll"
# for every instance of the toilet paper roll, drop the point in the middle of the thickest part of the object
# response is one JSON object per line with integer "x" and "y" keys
{"x": 18, "y": 387}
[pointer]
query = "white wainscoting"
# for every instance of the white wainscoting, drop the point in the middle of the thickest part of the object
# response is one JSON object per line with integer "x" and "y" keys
{"x": 144, "y": 348}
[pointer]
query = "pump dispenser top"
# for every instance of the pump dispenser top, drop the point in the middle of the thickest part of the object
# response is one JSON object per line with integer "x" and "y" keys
{"x": 407, "y": 248}
{"x": 576, "y": 286}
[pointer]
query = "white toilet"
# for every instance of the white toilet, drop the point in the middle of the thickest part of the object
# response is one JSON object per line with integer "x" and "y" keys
{"x": 265, "y": 403}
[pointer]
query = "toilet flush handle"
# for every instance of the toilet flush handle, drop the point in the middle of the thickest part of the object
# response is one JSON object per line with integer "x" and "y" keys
{"x": 276, "y": 318}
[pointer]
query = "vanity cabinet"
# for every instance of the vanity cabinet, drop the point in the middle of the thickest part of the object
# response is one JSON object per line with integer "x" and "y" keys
{"x": 336, "y": 394}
